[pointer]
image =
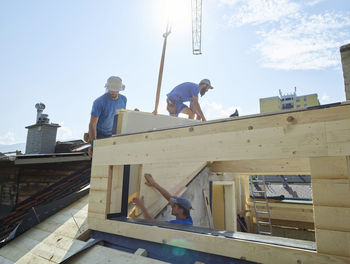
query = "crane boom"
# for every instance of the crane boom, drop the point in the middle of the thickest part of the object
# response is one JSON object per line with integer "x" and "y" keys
{"x": 196, "y": 26}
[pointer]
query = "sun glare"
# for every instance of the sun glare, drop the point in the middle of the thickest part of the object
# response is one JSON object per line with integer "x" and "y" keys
{"x": 176, "y": 13}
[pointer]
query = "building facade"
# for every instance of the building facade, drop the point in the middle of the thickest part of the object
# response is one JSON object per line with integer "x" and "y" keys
{"x": 287, "y": 101}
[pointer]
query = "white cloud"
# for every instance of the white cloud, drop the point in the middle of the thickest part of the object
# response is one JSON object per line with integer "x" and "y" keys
{"x": 260, "y": 11}
{"x": 314, "y": 2}
{"x": 8, "y": 139}
{"x": 64, "y": 133}
{"x": 291, "y": 38}
{"x": 214, "y": 110}
{"x": 310, "y": 42}
{"x": 325, "y": 98}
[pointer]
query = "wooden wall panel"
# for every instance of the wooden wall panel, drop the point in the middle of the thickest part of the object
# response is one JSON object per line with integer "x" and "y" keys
{"x": 218, "y": 206}
{"x": 334, "y": 192}
{"x": 172, "y": 176}
{"x": 331, "y": 197}
{"x": 332, "y": 218}
{"x": 263, "y": 166}
{"x": 333, "y": 242}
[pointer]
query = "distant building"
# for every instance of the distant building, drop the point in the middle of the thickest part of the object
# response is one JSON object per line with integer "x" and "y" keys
{"x": 287, "y": 101}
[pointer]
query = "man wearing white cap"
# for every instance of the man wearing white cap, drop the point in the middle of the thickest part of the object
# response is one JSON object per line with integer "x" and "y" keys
{"x": 187, "y": 92}
{"x": 104, "y": 109}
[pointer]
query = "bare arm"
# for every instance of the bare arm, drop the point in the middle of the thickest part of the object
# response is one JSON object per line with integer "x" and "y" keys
{"x": 197, "y": 107}
{"x": 92, "y": 127}
{"x": 140, "y": 204}
{"x": 151, "y": 182}
{"x": 92, "y": 131}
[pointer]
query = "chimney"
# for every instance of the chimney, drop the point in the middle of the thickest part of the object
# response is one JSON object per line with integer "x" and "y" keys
{"x": 345, "y": 59}
{"x": 41, "y": 137}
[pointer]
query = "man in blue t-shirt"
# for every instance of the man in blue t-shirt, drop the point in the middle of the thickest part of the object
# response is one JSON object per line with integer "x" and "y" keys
{"x": 187, "y": 92}
{"x": 104, "y": 109}
{"x": 180, "y": 206}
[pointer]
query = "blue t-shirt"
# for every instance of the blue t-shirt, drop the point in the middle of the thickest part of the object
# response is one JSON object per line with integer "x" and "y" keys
{"x": 187, "y": 221}
{"x": 105, "y": 109}
{"x": 184, "y": 92}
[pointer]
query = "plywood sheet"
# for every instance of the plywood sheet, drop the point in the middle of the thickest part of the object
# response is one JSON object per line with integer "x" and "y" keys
{"x": 172, "y": 176}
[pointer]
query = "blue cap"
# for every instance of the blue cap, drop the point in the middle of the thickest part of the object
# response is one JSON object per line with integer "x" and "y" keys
{"x": 183, "y": 202}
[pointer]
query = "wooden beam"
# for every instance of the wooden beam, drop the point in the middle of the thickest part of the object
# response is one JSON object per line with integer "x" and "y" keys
{"x": 332, "y": 218}
{"x": 331, "y": 192}
{"x": 303, "y": 140}
{"x": 319, "y": 132}
{"x": 264, "y": 166}
{"x": 234, "y": 248}
{"x": 331, "y": 198}
{"x": 230, "y": 207}
{"x": 333, "y": 242}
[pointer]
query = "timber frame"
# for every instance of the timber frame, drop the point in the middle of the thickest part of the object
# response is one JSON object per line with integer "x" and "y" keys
{"x": 315, "y": 141}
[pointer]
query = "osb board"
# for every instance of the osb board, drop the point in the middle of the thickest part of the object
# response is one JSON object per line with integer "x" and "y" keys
{"x": 172, "y": 176}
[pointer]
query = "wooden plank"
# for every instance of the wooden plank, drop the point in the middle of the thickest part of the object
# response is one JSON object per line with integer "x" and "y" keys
{"x": 115, "y": 190}
{"x": 267, "y": 143}
{"x": 329, "y": 168}
{"x": 99, "y": 171}
{"x": 338, "y": 138}
{"x": 264, "y": 166}
{"x": 333, "y": 242}
{"x": 246, "y": 123}
{"x": 98, "y": 201}
{"x": 218, "y": 207}
{"x": 52, "y": 160}
{"x": 331, "y": 192}
{"x": 288, "y": 213}
{"x": 332, "y": 218}
{"x": 230, "y": 208}
{"x": 235, "y": 248}
{"x": 208, "y": 210}
{"x": 121, "y": 114}
{"x": 172, "y": 176}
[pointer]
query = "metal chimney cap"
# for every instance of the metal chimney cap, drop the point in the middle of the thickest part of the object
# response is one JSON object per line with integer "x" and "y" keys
{"x": 40, "y": 106}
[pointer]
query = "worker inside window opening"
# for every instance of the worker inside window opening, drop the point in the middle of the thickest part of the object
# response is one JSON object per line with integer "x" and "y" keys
{"x": 181, "y": 206}
{"x": 187, "y": 92}
{"x": 104, "y": 109}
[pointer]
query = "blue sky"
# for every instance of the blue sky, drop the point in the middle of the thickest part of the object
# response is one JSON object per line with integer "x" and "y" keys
{"x": 61, "y": 53}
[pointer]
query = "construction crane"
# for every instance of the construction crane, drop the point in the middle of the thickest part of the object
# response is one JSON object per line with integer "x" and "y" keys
{"x": 196, "y": 26}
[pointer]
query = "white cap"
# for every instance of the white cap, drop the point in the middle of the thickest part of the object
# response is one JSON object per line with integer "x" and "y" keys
{"x": 114, "y": 83}
{"x": 206, "y": 81}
